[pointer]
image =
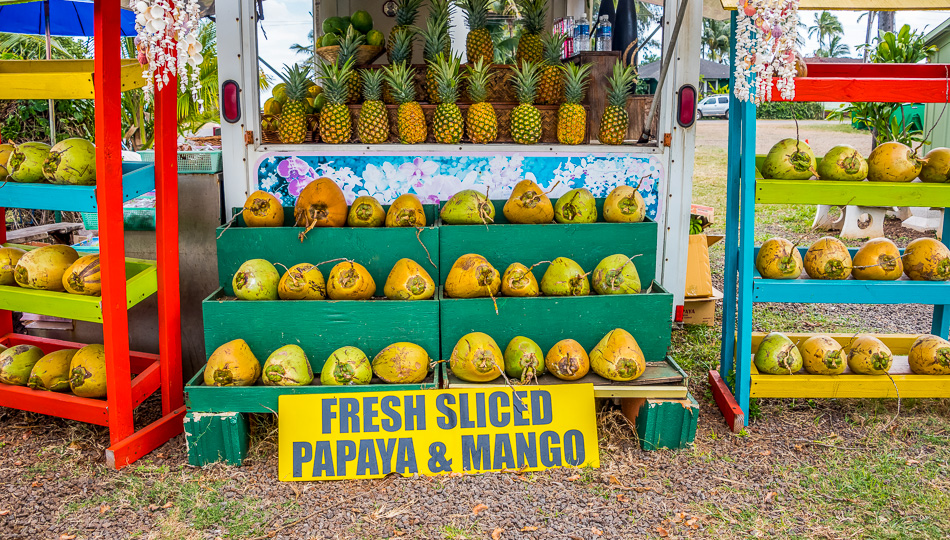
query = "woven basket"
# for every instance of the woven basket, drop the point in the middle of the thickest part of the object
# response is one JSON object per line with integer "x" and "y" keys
{"x": 365, "y": 54}
{"x": 273, "y": 137}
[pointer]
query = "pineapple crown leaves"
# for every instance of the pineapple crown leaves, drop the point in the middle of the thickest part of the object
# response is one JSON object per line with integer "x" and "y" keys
{"x": 619, "y": 84}
{"x": 442, "y": 10}
{"x": 403, "y": 40}
{"x": 475, "y": 11}
{"x": 296, "y": 79}
{"x": 435, "y": 37}
{"x": 446, "y": 77}
{"x": 576, "y": 79}
{"x": 335, "y": 79}
{"x": 372, "y": 84}
{"x": 533, "y": 15}
{"x": 349, "y": 45}
{"x": 553, "y": 46}
{"x": 401, "y": 80}
{"x": 525, "y": 80}
{"x": 479, "y": 75}
{"x": 407, "y": 11}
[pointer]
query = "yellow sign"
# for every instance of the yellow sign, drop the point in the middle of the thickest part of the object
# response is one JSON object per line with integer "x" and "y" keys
{"x": 372, "y": 434}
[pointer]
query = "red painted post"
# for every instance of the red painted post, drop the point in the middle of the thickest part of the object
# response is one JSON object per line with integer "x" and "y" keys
{"x": 166, "y": 220}
{"x": 115, "y": 322}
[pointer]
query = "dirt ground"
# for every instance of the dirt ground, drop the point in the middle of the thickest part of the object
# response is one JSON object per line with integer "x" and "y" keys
{"x": 832, "y": 468}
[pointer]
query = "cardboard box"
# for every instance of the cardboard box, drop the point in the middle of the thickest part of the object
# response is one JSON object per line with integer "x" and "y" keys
{"x": 701, "y": 310}
{"x": 698, "y": 276}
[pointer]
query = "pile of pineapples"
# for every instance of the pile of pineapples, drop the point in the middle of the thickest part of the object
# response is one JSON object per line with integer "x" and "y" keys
{"x": 538, "y": 77}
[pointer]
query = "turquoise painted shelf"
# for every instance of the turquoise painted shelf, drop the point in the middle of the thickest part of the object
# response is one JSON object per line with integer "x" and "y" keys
{"x": 137, "y": 178}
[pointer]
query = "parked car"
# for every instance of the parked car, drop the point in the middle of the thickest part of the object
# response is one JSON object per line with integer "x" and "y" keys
{"x": 713, "y": 106}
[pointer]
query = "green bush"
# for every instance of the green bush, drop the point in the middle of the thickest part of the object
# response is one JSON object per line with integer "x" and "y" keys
{"x": 785, "y": 110}
{"x": 28, "y": 120}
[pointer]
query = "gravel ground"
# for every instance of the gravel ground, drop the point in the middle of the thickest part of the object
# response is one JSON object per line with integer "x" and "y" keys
{"x": 804, "y": 469}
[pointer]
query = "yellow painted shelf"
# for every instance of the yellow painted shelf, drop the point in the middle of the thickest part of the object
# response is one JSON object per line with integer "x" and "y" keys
{"x": 59, "y": 79}
{"x": 848, "y": 384}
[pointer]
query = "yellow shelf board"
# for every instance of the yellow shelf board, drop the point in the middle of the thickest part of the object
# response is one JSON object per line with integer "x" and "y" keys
{"x": 59, "y": 79}
{"x": 861, "y": 5}
{"x": 848, "y": 384}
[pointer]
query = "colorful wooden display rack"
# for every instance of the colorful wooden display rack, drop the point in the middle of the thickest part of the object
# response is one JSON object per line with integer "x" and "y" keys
{"x": 856, "y": 82}
{"x": 104, "y": 79}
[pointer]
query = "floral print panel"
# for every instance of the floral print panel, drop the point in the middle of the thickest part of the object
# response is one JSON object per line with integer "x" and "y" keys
{"x": 436, "y": 176}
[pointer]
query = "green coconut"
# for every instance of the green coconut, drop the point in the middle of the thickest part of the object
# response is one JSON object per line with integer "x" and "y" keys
{"x": 565, "y": 277}
{"x": 618, "y": 357}
{"x": 789, "y": 159}
{"x": 287, "y": 366}
{"x": 843, "y": 163}
{"x": 777, "y": 355}
{"x": 518, "y": 280}
{"x": 232, "y": 364}
{"x": 52, "y": 371}
{"x": 71, "y": 162}
{"x": 26, "y": 162}
{"x": 256, "y": 279}
{"x": 468, "y": 207}
{"x": 87, "y": 372}
{"x": 347, "y": 365}
{"x": 302, "y": 281}
{"x": 17, "y": 362}
{"x": 615, "y": 274}
{"x": 524, "y": 360}
{"x": 576, "y": 206}
{"x": 43, "y": 268}
{"x": 402, "y": 363}
{"x": 9, "y": 257}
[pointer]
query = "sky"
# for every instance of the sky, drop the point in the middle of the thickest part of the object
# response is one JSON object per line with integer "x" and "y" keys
{"x": 287, "y": 22}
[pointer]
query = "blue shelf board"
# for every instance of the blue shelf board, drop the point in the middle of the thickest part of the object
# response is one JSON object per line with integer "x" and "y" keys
{"x": 850, "y": 291}
{"x": 138, "y": 178}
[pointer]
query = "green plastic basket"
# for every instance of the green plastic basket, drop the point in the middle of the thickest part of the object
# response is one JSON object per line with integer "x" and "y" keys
{"x": 195, "y": 162}
{"x": 134, "y": 219}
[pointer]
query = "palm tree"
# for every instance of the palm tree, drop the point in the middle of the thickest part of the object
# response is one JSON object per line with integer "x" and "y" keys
{"x": 826, "y": 25}
{"x": 715, "y": 39}
{"x": 306, "y": 49}
{"x": 192, "y": 114}
{"x": 836, "y": 49}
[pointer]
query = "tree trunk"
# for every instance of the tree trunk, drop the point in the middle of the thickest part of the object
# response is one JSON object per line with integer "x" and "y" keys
{"x": 885, "y": 21}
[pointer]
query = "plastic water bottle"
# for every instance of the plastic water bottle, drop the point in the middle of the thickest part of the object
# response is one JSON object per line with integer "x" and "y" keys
{"x": 582, "y": 35}
{"x": 604, "y": 34}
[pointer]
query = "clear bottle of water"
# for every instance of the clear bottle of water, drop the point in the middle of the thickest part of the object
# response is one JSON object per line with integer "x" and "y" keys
{"x": 604, "y": 34}
{"x": 582, "y": 35}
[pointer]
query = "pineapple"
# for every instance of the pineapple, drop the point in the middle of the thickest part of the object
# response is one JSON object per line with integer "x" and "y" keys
{"x": 571, "y": 116}
{"x": 401, "y": 54}
{"x": 525, "y": 118}
{"x": 292, "y": 125}
{"x": 478, "y": 42}
{"x": 533, "y": 14}
{"x": 406, "y": 13}
{"x": 373, "y": 123}
{"x": 614, "y": 123}
{"x": 447, "y": 125}
{"x": 410, "y": 121}
{"x": 482, "y": 122}
{"x": 435, "y": 37}
{"x": 349, "y": 45}
{"x": 442, "y": 11}
{"x": 335, "y": 124}
{"x": 551, "y": 86}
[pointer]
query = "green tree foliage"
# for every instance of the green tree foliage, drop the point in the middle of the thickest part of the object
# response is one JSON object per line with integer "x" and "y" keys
{"x": 826, "y": 26}
{"x": 715, "y": 40}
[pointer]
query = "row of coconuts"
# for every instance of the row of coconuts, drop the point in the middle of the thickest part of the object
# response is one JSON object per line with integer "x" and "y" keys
{"x": 864, "y": 354}
{"x": 82, "y": 371}
{"x": 69, "y": 162}
{"x": 924, "y": 259}
{"x": 792, "y": 159}
{"x": 476, "y": 358}
{"x": 51, "y": 268}
{"x": 472, "y": 276}
{"x": 322, "y": 204}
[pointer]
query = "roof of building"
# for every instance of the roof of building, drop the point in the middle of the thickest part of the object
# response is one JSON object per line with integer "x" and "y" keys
{"x": 708, "y": 70}
{"x": 935, "y": 34}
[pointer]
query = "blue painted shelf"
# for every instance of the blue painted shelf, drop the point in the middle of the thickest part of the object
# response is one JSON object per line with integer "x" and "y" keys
{"x": 138, "y": 178}
{"x": 849, "y": 291}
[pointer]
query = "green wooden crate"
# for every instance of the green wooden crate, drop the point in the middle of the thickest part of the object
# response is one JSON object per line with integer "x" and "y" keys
{"x": 549, "y": 319}
{"x": 216, "y": 437}
{"x": 503, "y": 243}
{"x": 663, "y": 423}
{"x": 376, "y": 248}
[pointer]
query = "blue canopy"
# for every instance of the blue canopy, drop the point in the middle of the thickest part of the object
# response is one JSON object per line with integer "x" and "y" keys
{"x": 66, "y": 18}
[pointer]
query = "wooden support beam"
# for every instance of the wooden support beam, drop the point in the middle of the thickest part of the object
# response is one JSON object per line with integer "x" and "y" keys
{"x": 39, "y": 232}
{"x": 731, "y": 411}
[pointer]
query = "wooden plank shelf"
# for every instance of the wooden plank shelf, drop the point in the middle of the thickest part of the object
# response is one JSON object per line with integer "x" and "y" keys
{"x": 141, "y": 282}
{"x": 144, "y": 366}
{"x": 662, "y": 380}
{"x": 848, "y": 384}
{"x": 138, "y": 177}
{"x": 263, "y": 399}
{"x": 60, "y": 79}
